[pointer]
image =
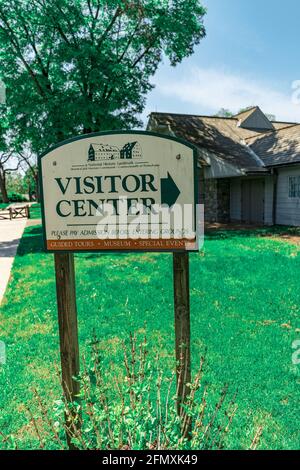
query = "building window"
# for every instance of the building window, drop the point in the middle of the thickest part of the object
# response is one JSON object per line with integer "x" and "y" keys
{"x": 294, "y": 186}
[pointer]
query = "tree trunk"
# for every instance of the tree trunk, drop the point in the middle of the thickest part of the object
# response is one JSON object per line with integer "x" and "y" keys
{"x": 37, "y": 186}
{"x": 3, "y": 187}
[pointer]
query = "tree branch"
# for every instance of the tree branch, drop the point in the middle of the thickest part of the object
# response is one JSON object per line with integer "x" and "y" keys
{"x": 110, "y": 26}
{"x": 14, "y": 42}
{"x": 31, "y": 40}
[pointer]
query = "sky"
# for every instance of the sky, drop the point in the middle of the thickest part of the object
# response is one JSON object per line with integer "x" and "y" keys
{"x": 250, "y": 56}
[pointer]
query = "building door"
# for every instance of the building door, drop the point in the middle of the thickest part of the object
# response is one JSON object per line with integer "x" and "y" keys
{"x": 253, "y": 201}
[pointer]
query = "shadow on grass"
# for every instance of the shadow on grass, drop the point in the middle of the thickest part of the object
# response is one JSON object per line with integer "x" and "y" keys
{"x": 228, "y": 234}
{"x": 277, "y": 230}
{"x": 32, "y": 241}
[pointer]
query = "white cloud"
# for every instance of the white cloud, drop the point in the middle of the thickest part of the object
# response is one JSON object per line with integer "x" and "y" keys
{"x": 212, "y": 89}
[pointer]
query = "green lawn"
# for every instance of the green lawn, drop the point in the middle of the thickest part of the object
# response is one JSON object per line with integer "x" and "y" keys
{"x": 245, "y": 303}
{"x": 35, "y": 211}
{"x": 3, "y": 205}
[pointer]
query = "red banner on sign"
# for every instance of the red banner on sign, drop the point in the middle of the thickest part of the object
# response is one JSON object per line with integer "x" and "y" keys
{"x": 140, "y": 244}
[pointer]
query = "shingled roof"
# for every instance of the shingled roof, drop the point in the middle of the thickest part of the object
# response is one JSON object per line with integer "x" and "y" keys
{"x": 248, "y": 149}
{"x": 217, "y": 135}
{"x": 246, "y": 113}
{"x": 279, "y": 148}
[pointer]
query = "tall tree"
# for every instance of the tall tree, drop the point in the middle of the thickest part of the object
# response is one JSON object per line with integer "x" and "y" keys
{"x": 10, "y": 161}
{"x": 28, "y": 163}
{"x": 78, "y": 66}
{"x": 3, "y": 160}
{"x": 8, "y": 164}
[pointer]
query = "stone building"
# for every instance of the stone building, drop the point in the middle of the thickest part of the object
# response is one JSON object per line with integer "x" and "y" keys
{"x": 249, "y": 166}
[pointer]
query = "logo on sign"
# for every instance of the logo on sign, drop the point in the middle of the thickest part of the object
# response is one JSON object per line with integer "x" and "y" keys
{"x": 102, "y": 152}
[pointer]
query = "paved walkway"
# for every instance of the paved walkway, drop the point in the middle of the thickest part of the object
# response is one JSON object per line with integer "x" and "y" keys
{"x": 11, "y": 232}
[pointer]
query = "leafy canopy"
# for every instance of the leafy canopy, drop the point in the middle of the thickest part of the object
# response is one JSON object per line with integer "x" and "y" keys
{"x": 78, "y": 66}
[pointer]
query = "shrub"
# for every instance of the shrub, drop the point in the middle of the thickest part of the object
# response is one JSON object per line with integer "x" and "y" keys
{"x": 135, "y": 408}
{"x": 16, "y": 197}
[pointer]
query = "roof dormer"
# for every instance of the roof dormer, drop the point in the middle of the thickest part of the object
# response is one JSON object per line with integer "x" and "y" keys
{"x": 255, "y": 119}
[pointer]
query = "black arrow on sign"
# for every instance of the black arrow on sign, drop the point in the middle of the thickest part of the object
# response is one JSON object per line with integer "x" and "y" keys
{"x": 169, "y": 191}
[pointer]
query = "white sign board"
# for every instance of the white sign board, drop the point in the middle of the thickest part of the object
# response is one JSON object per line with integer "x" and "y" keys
{"x": 119, "y": 191}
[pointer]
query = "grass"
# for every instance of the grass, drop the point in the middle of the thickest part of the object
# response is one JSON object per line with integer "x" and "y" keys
{"x": 35, "y": 211}
{"x": 3, "y": 205}
{"x": 245, "y": 305}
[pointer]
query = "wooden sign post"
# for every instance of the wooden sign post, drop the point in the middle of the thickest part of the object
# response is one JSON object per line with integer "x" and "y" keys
{"x": 68, "y": 332}
{"x": 182, "y": 325}
{"x": 149, "y": 183}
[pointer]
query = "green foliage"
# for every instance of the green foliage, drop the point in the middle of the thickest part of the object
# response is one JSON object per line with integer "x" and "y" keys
{"x": 223, "y": 112}
{"x": 29, "y": 179}
{"x": 3, "y": 130}
{"x": 15, "y": 183}
{"x": 134, "y": 407}
{"x": 244, "y": 312}
{"x": 83, "y": 66}
{"x": 14, "y": 197}
{"x": 21, "y": 183}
